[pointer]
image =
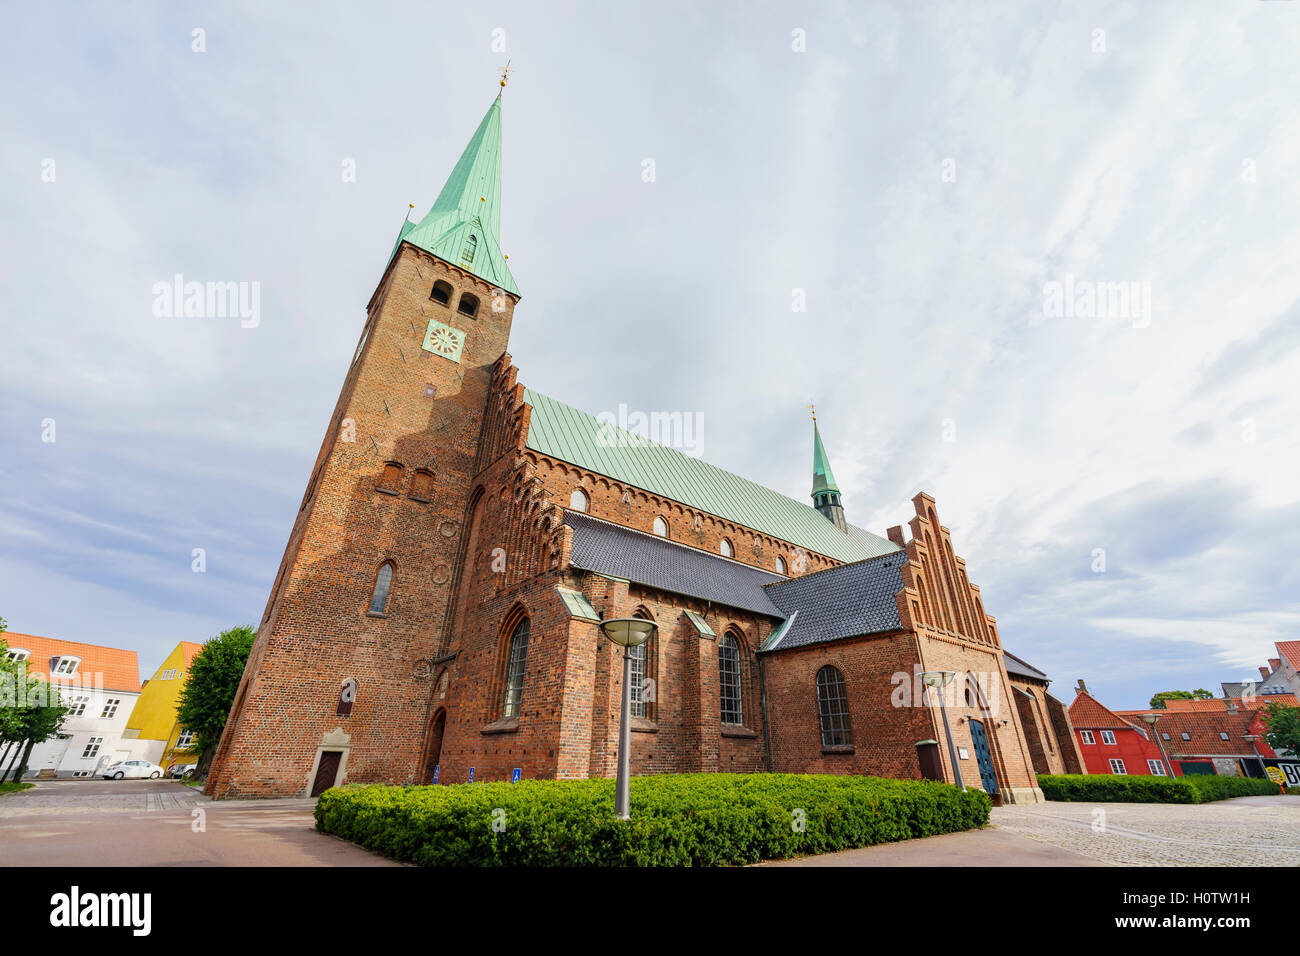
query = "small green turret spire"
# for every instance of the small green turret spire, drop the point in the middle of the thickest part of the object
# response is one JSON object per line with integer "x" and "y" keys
{"x": 463, "y": 227}
{"x": 825, "y": 493}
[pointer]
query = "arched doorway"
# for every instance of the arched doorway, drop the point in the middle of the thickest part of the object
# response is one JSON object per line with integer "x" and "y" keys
{"x": 434, "y": 754}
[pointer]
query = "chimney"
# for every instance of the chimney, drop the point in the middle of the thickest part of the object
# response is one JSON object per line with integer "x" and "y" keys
{"x": 1263, "y": 673}
{"x": 1274, "y": 662}
{"x": 1082, "y": 688}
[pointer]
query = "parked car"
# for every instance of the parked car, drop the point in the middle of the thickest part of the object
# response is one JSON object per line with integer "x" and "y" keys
{"x": 184, "y": 770}
{"x": 131, "y": 768}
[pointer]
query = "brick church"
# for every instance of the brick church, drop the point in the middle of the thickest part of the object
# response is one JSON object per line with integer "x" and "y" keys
{"x": 435, "y": 616}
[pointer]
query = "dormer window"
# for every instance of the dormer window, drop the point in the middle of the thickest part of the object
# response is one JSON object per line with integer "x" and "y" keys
{"x": 468, "y": 304}
{"x": 471, "y": 246}
{"x": 17, "y": 654}
{"x": 441, "y": 292}
{"x": 64, "y": 666}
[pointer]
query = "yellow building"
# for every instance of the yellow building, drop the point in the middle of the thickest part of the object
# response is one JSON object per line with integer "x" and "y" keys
{"x": 158, "y": 736}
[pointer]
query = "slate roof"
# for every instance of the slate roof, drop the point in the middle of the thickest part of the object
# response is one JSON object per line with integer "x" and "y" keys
{"x": 844, "y": 601}
{"x": 568, "y": 434}
{"x": 616, "y": 551}
{"x": 1021, "y": 669}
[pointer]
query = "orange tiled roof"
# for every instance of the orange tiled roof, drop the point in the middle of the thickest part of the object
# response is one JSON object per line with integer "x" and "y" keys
{"x": 1290, "y": 650}
{"x": 120, "y": 668}
{"x": 1213, "y": 704}
{"x": 191, "y": 652}
{"x": 1086, "y": 713}
{"x": 1204, "y": 729}
{"x": 1259, "y": 700}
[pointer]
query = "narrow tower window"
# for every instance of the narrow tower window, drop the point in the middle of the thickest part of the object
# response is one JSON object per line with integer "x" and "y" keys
{"x": 383, "y": 584}
{"x": 468, "y": 304}
{"x": 441, "y": 292}
{"x": 390, "y": 480}
{"x": 471, "y": 246}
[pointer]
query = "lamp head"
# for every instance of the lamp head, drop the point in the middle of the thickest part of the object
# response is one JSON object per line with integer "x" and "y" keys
{"x": 937, "y": 678}
{"x": 628, "y": 631}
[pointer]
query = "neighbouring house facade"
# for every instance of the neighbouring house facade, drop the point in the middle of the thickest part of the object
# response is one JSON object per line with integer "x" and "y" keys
{"x": 100, "y": 686}
{"x": 158, "y": 736}
{"x": 1210, "y": 737}
{"x": 1053, "y": 745}
{"x": 436, "y": 614}
{"x": 1110, "y": 743}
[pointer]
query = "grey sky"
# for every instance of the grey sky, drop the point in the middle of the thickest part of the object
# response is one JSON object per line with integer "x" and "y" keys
{"x": 923, "y": 171}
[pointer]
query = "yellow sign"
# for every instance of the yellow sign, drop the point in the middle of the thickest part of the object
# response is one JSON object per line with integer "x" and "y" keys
{"x": 1275, "y": 774}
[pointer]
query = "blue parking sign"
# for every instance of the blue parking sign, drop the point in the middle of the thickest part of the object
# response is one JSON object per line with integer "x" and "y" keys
{"x": 517, "y": 774}
{"x": 471, "y": 774}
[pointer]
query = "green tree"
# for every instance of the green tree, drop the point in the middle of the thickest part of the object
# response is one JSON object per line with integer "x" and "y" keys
{"x": 1283, "y": 724}
{"x": 31, "y": 712}
{"x": 214, "y": 677}
{"x": 1158, "y": 701}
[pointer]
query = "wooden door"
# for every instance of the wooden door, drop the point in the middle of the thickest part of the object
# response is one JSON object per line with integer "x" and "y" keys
{"x": 326, "y": 772}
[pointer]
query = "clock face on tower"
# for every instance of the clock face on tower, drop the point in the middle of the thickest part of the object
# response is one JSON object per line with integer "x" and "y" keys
{"x": 444, "y": 340}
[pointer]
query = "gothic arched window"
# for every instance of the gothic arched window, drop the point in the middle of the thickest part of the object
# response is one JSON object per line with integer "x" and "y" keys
{"x": 383, "y": 584}
{"x": 730, "y": 704}
{"x": 516, "y": 658}
{"x": 661, "y": 527}
{"x": 780, "y": 565}
{"x": 833, "y": 708}
{"x": 578, "y": 501}
{"x": 725, "y": 549}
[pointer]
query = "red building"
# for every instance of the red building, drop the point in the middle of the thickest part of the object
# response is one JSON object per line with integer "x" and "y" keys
{"x": 1111, "y": 744}
{"x": 1227, "y": 739}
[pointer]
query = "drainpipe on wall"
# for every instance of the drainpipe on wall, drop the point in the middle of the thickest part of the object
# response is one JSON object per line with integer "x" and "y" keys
{"x": 762, "y": 695}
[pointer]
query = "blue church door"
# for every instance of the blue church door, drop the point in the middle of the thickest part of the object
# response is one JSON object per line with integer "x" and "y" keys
{"x": 983, "y": 757}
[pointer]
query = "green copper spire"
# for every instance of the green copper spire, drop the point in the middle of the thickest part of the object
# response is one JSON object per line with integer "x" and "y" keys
{"x": 823, "y": 479}
{"x": 464, "y": 225}
{"x": 825, "y": 493}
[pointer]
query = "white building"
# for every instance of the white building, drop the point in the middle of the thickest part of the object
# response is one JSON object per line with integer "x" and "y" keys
{"x": 99, "y": 684}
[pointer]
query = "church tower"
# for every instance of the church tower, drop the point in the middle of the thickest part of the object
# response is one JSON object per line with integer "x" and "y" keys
{"x": 359, "y": 616}
{"x": 825, "y": 493}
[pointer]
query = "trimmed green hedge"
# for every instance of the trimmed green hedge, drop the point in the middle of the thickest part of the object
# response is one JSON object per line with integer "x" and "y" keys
{"x": 1105, "y": 788}
{"x": 677, "y": 820}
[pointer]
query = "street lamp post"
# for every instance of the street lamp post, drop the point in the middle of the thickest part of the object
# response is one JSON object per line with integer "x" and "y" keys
{"x": 936, "y": 680}
{"x": 627, "y": 633}
{"x": 1150, "y": 721}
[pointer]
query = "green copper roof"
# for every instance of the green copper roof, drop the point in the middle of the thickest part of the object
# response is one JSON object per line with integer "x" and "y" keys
{"x": 564, "y": 432}
{"x": 464, "y": 225}
{"x": 823, "y": 479}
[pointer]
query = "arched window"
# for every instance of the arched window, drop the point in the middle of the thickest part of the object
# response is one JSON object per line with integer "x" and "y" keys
{"x": 833, "y": 708}
{"x": 515, "y": 661}
{"x": 731, "y": 706}
{"x": 442, "y": 686}
{"x": 390, "y": 479}
{"x": 422, "y": 485}
{"x": 471, "y": 246}
{"x": 383, "y": 584}
{"x": 642, "y": 680}
{"x": 468, "y": 304}
{"x": 724, "y": 548}
{"x": 578, "y": 501}
{"x": 780, "y": 565}
{"x": 661, "y": 527}
{"x": 441, "y": 292}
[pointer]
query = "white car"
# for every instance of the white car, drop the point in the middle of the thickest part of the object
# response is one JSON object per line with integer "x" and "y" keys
{"x": 183, "y": 771}
{"x": 131, "y": 768}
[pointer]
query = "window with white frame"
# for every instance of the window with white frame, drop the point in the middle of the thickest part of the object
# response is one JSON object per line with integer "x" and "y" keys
{"x": 185, "y": 739}
{"x": 110, "y": 707}
{"x": 1086, "y": 737}
{"x": 78, "y": 706}
{"x": 66, "y": 666}
{"x": 1117, "y": 766}
{"x": 1157, "y": 768}
{"x": 1107, "y": 737}
{"x": 17, "y": 654}
{"x": 92, "y": 747}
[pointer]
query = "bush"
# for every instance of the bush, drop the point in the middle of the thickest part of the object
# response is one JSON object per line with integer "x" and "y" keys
{"x": 677, "y": 820}
{"x": 1105, "y": 788}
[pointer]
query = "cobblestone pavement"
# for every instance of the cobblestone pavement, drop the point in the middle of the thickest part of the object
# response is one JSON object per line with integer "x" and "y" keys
{"x": 1247, "y": 831}
{"x": 78, "y": 796}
